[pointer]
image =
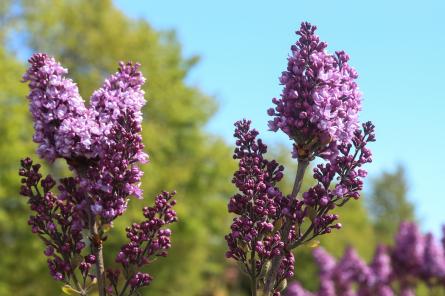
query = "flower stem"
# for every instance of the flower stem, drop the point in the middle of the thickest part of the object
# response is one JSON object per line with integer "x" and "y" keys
{"x": 96, "y": 246}
{"x": 253, "y": 282}
{"x": 276, "y": 261}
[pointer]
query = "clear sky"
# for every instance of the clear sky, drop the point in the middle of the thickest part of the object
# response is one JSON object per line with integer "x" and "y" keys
{"x": 396, "y": 46}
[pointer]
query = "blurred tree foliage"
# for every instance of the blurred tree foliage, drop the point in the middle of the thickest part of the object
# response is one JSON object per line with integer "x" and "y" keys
{"x": 388, "y": 204}
{"x": 89, "y": 37}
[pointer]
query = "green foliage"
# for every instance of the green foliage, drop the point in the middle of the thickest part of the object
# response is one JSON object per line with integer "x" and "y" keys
{"x": 388, "y": 204}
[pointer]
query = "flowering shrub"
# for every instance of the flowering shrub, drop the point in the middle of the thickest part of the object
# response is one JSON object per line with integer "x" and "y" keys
{"x": 102, "y": 146}
{"x": 397, "y": 270}
{"x": 318, "y": 110}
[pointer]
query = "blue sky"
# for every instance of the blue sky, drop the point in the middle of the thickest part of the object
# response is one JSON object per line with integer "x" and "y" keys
{"x": 396, "y": 46}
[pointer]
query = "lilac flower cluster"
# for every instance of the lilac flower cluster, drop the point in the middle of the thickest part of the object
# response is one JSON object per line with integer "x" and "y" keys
{"x": 318, "y": 110}
{"x": 254, "y": 239}
{"x": 148, "y": 239}
{"x": 397, "y": 270}
{"x": 339, "y": 180}
{"x": 319, "y": 105}
{"x": 102, "y": 145}
{"x": 54, "y": 220}
{"x": 262, "y": 210}
{"x": 417, "y": 256}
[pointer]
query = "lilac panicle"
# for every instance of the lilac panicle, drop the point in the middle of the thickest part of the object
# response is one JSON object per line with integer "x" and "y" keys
{"x": 102, "y": 144}
{"x": 408, "y": 250}
{"x": 324, "y": 260}
{"x": 61, "y": 123}
{"x": 379, "y": 283}
{"x": 433, "y": 265}
{"x": 115, "y": 175}
{"x": 381, "y": 265}
{"x": 397, "y": 270}
{"x": 320, "y": 99}
{"x": 346, "y": 172}
{"x": 326, "y": 264}
{"x": 54, "y": 219}
{"x": 120, "y": 96}
{"x": 318, "y": 110}
{"x": 351, "y": 268}
{"x": 257, "y": 205}
{"x": 147, "y": 240}
{"x": 295, "y": 289}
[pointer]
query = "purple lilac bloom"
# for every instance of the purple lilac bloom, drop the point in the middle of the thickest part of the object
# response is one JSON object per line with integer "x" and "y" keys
{"x": 257, "y": 205}
{"x": 389, "y": 273}
{"x": 295, "y": 289}
{"x": 318, "y": 110}
{"x": 433, "y": 265}
{"x": 326, "y": 264}
{"x": 380, "y": 280}
{"x": 55, "y": 219}
{"x": 120, "y": 95}
{"x": 381, "y": 265}
{"x": 408, "y": 250}
{"x": 351, "y": 269}
{"x": 102, "y": 145}
{"x": 115, "y": 175}
{"x": 61, "y": 120}
{"x": 347, "y": 173}
{"x": 148, "y": 240}
{"x": 320, "y": 101}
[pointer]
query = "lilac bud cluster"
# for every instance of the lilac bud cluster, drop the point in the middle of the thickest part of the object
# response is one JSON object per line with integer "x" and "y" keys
{"x": 254, "y": 239}
{"x": 54, "y": 220}
{"x": 415, "y": 258}
{"x": 147, "y": 240}
{"x": 319, "y": 105}
{"x": 339, "y": 180}
{"x": 257, "y": 232}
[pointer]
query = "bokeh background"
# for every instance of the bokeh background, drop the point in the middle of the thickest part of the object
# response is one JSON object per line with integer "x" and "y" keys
{"x": 208, "y": 64}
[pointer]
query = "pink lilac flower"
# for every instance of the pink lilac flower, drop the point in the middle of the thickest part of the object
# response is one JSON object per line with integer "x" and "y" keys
{"x": 55, "y": 104}
{"x": 433, "y": 264}
{"x": 320, "y": 101}
{"x": 409, "y": 250}
{"x": 101, "y": 143}
{"x": 351, "y": 268}
{"x": 295, "y": 289}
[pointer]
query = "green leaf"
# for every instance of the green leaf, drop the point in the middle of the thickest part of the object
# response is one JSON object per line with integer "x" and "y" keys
{"x": 67, "y": 289}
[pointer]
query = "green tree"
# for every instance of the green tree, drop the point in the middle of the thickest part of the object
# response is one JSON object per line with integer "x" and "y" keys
{"x": 388, "y": 204}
